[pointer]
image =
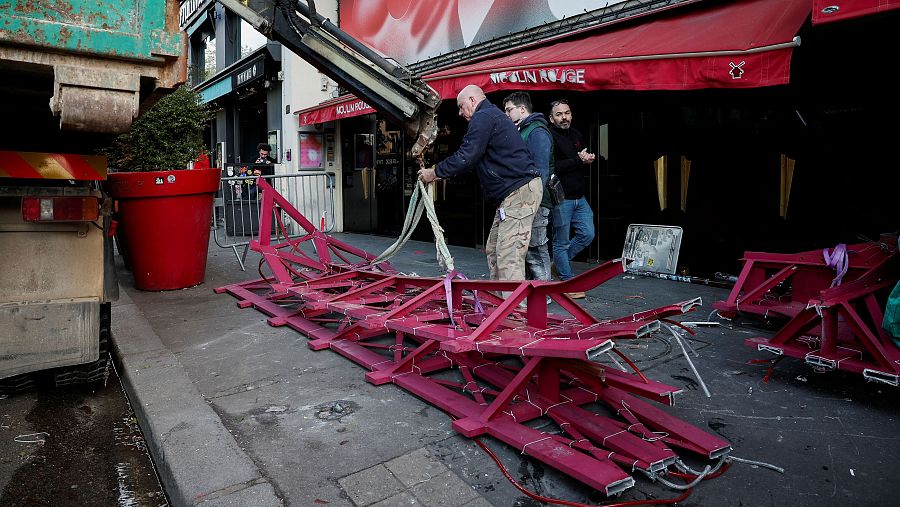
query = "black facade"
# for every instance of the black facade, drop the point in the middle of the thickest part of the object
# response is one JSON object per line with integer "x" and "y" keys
{"x": 243, "y": 86}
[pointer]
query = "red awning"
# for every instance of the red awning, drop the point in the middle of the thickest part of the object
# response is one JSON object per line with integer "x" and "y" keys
{"x": 826, "y": 11}
{"x": 346, "y": 106}
{"x": 740, "y": 44}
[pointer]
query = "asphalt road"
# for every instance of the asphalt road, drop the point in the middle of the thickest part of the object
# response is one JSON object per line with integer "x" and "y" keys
{"x": 74, "y": 446}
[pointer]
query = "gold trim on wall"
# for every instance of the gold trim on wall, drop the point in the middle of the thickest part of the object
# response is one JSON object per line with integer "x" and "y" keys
{"x": 787, "y": 177}
{"x": 662, "y": 186}
{"x": 685, "y": 179}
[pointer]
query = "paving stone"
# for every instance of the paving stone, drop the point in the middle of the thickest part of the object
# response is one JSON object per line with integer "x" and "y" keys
{"x": 404, "y": 498}
{"x": 371, "y": 485}
{"x": 444, "y": 490}
{"x": 260, "y": 495}
{"x": 478, "y": 502}
{"x": 416, "y": 467}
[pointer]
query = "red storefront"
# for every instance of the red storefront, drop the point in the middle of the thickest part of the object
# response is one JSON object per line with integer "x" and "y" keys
{"x": 718, "y": 116}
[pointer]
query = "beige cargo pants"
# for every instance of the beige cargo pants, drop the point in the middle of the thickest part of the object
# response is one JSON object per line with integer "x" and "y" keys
{"x": 510, "y": 234}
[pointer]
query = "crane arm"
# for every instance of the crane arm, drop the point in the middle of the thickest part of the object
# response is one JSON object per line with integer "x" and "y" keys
{"x": 389, "y": 88}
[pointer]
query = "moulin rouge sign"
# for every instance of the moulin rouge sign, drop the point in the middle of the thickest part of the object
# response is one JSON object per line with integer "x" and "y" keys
{"x": 539, "y": 76}
{"x": 336, "y": 112}
{"x": 351, "y": 108}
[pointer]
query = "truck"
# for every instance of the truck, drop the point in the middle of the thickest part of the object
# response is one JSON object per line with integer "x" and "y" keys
{"x": 75, "y": 74}
{"x": 98, "y": 66}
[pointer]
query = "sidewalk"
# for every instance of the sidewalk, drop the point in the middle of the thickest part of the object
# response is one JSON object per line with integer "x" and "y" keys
{"x": 240, "y": 413}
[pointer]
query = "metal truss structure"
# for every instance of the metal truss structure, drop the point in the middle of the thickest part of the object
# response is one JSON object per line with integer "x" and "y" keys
{"x": 486, "y": 352}
{"x": 829, "y": 327}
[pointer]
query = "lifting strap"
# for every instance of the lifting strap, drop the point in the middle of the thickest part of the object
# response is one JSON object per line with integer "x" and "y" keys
{"x": 420, "y": 201}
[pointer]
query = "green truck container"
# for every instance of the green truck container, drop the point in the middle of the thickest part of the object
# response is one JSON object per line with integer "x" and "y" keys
{"x": 72, "y": 75}
{"x": 98, "y": 60}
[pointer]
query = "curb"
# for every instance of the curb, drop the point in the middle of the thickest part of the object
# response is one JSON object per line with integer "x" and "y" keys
{"x": 197, "y": 458}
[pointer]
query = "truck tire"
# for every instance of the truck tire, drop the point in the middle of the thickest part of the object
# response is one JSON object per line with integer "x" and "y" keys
{"x": 19, "y": 383}
{"x": 97, "y": 371}
{"x": 89, "y": 373}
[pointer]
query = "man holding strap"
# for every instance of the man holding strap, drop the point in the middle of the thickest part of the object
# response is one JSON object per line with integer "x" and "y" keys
{"x": 509, "y": 179}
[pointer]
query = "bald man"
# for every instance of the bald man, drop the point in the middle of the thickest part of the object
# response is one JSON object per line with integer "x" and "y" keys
{"x": 509, "y": 179}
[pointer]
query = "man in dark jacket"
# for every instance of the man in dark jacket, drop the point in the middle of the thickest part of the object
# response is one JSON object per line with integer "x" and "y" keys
{"x": 572, "y": 162}
{"x": 536, "y": 134}
{"x": 492, "y": 146}
{"x": 264, "y": 150}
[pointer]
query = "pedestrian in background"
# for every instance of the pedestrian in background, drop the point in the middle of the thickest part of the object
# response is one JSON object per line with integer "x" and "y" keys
{"x": 572, "y": 162}
{"x": 509, "y": 179}
{"x": 535, "y": 132}
{"x": 264, "y": 150}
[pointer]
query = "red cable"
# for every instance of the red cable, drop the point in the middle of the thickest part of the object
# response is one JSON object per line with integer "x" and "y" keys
{"x": 633, "y": 366}
{"x": 663, "y": 501}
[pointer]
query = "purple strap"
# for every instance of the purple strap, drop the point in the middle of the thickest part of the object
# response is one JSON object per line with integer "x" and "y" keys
{"x": 838, "y": 261}
{"x": 447, "y": 279}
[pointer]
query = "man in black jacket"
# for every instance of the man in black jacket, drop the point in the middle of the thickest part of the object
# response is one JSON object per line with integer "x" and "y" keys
{"x": 264, "y": 150}
{"x": 493, "y": 148}
{"x": 572, "y": 162}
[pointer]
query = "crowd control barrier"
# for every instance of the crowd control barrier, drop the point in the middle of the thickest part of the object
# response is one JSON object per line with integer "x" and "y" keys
{"x": 237, "y": 207}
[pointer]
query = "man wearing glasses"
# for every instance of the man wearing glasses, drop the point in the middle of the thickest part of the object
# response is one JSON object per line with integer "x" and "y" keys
{"x": 572, "y": 162}
{"x": 509, "y": 179}
{"x": 536, "y": 133}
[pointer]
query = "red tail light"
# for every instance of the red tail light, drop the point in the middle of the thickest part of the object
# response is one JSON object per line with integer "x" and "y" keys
{"x": 60, "y": 209}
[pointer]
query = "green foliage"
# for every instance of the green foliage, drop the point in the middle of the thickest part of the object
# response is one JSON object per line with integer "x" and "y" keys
{"x": 166, "y": 137}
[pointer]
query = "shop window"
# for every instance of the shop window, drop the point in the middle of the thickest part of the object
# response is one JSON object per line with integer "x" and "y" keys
{"x": 251, "y": 40}
{"x": 208, "y": 64}
{"x": 310, "y": 150}
{"x": 204, "y": 66}
{"x": 203, "y": 57}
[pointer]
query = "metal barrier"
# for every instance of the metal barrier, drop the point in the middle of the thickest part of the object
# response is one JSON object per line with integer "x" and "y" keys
{"x": 237, "y": 207}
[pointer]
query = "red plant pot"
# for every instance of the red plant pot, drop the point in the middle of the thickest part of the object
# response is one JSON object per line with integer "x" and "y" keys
{"x": 164, "y": 224}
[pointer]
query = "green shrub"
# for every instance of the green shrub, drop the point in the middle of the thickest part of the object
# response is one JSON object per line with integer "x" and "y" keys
{"x": 166, "y": 137}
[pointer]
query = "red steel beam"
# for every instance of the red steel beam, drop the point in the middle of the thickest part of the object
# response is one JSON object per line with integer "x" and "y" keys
{"x": 755, "y": 291}
{"x": 488, "y": 361}
{"x": 840, "y": 328}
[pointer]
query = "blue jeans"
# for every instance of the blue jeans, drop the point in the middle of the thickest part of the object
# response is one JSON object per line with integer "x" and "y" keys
{"x": 571, "y": 214}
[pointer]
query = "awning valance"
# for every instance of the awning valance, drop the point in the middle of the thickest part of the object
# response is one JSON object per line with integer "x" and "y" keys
{"x": 826, "y": 11}
{"x": 346, "y": 106}
{"x": 741, "y": 44}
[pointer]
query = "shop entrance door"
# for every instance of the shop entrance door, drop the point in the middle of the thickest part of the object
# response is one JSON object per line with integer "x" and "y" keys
{"x": 251, "y": 129}
{"x": 372, "y": 183}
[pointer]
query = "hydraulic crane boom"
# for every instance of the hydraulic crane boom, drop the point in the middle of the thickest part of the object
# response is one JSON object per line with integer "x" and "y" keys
{"x": 387, "y": 87}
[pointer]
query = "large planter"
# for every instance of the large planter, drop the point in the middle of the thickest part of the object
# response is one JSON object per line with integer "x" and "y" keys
{"x": 164, "y": 219}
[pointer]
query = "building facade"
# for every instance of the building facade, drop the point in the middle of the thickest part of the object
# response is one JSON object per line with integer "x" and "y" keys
{"x": 254, "y": 85}
{"x": 752, "y": 124}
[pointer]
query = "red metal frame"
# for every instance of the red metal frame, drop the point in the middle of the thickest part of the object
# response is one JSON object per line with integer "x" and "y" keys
{"x": 761, "y": 287}
{"x": 828, "y": 327}
{"x": 489, "y": 362}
